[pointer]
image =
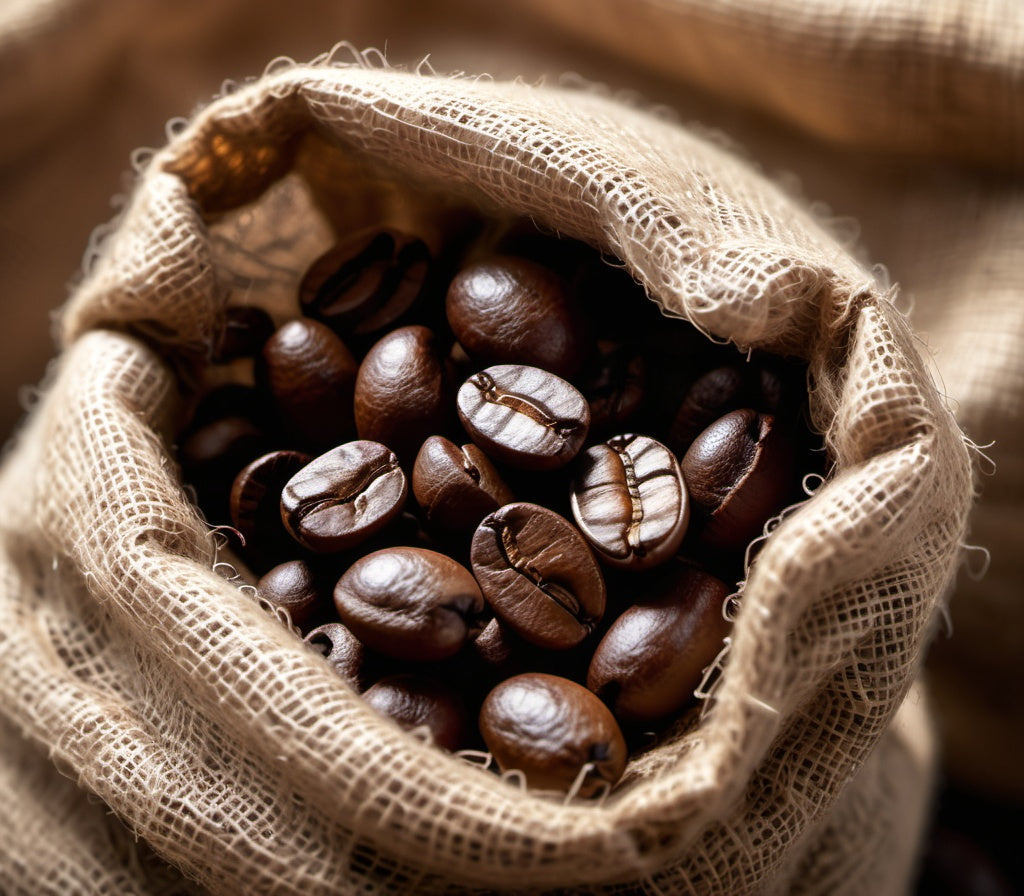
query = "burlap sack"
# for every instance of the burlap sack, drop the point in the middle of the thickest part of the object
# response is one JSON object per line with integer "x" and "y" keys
{"x": 236, "y": 753}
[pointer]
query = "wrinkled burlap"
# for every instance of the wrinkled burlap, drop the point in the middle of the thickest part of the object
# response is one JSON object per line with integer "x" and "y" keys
{"x": 238, "y": 756}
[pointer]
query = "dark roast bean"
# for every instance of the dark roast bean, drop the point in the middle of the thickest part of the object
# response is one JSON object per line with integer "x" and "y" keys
{"x": 403, "y": 391}
{"x": 710, "y": 396}
{"x": 256, "y": 506}
{"x": 212, "y": 454}
{"x": 651, "y": 660}
{"x": 538, "y": 574}
{"x": 415, "y": 700}
{"x": 615, "y": 385}
{"x": 555, "y": 732}
{"x": 367, "y": 283}
{"x": 507, "y": 310}
{"x": 524, "y": 416}
{"x": 311, "y": 376}
{"x": 295, "y": 587}
{"x": 342, "y": 650}
{"x": 246, "y": 329}
{"x": 456, "y": 487}
{"x": 344, "y": 496}
{"x": 410, "y": 603}
{"x": 739, "y": 473}
{"x": 630, "y": 502}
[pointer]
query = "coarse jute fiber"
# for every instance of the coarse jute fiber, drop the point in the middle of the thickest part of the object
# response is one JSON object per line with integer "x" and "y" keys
{"x": 239, "y": 757}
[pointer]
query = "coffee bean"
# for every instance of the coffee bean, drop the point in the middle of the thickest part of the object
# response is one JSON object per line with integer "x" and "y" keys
{"x": 295, "y": 587}
{"x": 615, "y": 385}
{"x": 365, "y": 284}
{"x": 630, "y": 502}
{"x": 403, "y": 391}
{"x": 255, "y": 505}
{"x": 344, "y": 496}
{"x": 343, "y": 651}
{"x": 456, "y": 487}
{"x": 710, "y": 396}
{"x": 311, "y": 375}
{"x": 739, "y": 473}
{"x": 212, "y": 454}
{"x": 651, "y": 660}
{"x": 524, "y": 416}
{"x": 410, "y": 603}
{"x": 555, "y": 732}
{"x": 538, "y": 574}
{"x": 507, "y": 310}
{"x": 415, "y": 700}
{"x": 246, "y": 329}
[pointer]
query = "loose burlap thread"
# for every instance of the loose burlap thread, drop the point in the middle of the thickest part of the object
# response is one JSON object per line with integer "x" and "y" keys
{"x": 239, "y": 756}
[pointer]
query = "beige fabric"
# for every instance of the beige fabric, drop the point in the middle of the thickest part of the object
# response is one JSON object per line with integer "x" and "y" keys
{"x": 934, "y": 77}
{"x": 236, "y": 753}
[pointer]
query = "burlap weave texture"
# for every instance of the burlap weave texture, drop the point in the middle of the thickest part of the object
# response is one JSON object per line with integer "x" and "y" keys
{"x": 234, "y": 751}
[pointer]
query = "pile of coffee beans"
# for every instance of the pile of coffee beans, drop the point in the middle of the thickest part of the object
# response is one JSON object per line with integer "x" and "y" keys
{"x": 504, "y": 496}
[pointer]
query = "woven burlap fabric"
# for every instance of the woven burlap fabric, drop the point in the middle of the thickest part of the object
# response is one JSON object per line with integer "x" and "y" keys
{"x": 932, "y": 77}
{"x": 237, "y": 754}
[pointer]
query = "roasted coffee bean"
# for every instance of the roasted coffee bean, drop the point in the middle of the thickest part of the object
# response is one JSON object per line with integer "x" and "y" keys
{"x": 538, "y": 574}
{"x": 456, "y": 487}
{"x": 524, "y": 416}
{"x": 739, "y": 473}
{"x": 255, "y": 505}
{"x": 615, "y": 385}
{"x": 343, "y": 651}
{"x": 344, "y": 496}
{"x": 311, "y": 375}
{"x": 630, "y": 502}
{"x": 554, "y": 731}
{"x": 246, "y": 329}
{"x": 415, "y": 700}
{"x": 403, "y": 391}
{"x": 507, "y": 310}
{"x": 710, "y": 396}
{"x": 365, "y": 284}
{"x": 295, "y": 587}
{"x": 651, "y": 660}
{"x": 230, "y": 400}
{"x": 212, "y": 454}
{"x": 410, "y": 603}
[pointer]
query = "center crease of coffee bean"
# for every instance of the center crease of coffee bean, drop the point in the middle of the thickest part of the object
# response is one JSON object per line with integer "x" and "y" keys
{"x": 518, "y": 562}
{"x": 637, "y": 507}
{"x": 494, "y": 394}
{"x": 357, "y": 496}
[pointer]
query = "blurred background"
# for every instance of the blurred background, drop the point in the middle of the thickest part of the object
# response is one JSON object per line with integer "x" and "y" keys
{"x": 901, "y": 122}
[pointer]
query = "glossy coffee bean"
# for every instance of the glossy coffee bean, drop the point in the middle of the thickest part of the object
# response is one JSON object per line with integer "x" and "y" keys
{"x": 615, "y": 385}
{"x": 246, "y": 329}
{"x": 295, "y": 587}
{"x": 415, "y": 700}
{"x": 456, "y": 487}
{"x": 630, "y": 502}
{"x": 410, "y": 603}
{"x": 739, "y": 473}
{"x": 403, "y": 391}
{"x": 343, "y": 651}
{"x": 555, "y": 732}
{"x": 652, "y": 658}
{"x": 311, "y": 375}
{"x": 255, "y": 505}
{"x": 538, "y": 575}
{"x": 524, "y": 416}
{"x": 712, "y": 395}
{"x": 507, "y": 310}
{"x": 365, "y": 284}
{"x": 344, "y": 496}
